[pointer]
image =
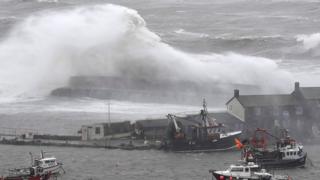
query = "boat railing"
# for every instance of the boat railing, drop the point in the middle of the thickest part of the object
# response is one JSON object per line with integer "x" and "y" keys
{"x": 19, "y": 171}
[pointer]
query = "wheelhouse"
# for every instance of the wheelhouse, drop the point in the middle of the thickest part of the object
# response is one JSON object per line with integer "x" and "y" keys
{"x": 46, "y": 162}
{"x": 248, "y": 169}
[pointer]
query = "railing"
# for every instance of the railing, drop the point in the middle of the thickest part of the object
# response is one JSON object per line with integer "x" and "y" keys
{"x": 7, "y": 131}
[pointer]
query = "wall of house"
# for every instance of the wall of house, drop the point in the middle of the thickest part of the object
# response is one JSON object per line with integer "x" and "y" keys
{"x": 156, "y": 133}
{"x": 92, "y": 132}
{"x": 117, "y": 128}
{"x": 236, "y": 109}
{"x": 84, "y": 133}
{"x": 97, "y": 131}
{"x": 272, "y": 118}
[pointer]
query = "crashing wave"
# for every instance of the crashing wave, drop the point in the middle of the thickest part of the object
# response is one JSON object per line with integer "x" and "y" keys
{"x": 192, "y": 34}
{"x": 309, "y": 41}
{"x": 42, "y": 52}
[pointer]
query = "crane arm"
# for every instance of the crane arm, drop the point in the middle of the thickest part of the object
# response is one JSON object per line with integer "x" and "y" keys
{"x": 173, "y": 119}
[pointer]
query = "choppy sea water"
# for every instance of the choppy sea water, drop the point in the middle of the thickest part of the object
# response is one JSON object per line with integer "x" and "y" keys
{"x": 269, "y": 44}
{"x": 44, "y": 42}
{"x": 101, "y": 164}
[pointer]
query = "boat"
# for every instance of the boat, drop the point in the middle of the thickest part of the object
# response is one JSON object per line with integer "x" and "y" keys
{"x": 285, "y": 153}
{"x": 206, "y": 135}
{"x": 246, "y": 171}
{"x": 42, "y": 168}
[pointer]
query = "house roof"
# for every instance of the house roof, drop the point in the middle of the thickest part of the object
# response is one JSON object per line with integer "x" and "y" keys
{"x": 220, "y": 117}
{"x": 267, "y": 100}
{"x": 310, "y": 92}
{"x": 152, "y": 123}
{"x": 189, "y": 120}
{"x": 225, "y": 117}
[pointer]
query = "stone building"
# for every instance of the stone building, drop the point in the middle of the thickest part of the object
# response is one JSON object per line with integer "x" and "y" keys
{"x": 297, "y": 111}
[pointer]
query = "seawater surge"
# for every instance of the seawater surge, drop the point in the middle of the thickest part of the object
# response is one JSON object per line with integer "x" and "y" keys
{"x": 44, "y": 50}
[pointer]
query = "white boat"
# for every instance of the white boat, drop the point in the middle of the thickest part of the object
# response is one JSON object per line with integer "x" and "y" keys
{"x": 42, "y": 168}
{"x": 246, "y": 171}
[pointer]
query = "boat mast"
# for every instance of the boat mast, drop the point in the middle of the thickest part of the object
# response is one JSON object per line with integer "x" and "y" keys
{"x": 109, "y": 120}
{"x": 204, "y": 117}
{"x": 31, "y": 156}
{"x": 204, "y": 113}
{"x": 42, "y": 154}
{"x": 109, "y": 125}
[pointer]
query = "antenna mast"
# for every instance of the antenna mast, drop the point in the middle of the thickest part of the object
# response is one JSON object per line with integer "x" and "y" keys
{"x": 109, "y": 120}
{"x": 204, "y": 113}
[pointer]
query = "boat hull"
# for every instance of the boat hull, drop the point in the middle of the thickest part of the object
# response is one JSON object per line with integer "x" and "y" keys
{"x": 281, "y": 163}
{"x": 46, "y": 177}
{"x": 52, "y": 170}
{"x": 223, "y": 144}
{"x": 226, "y": 177}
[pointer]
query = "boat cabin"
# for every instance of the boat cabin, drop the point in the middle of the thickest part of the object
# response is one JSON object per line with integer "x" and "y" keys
{"x": 46, "y": 162}
{"x": 289, "y": 149}
{"x": 291, "y": 152}
{"x": 244, "y": 170}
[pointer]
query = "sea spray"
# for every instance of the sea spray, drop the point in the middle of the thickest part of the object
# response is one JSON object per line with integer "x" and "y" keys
{"x": 43, "y": 51}
{"x": 310, "y": 41}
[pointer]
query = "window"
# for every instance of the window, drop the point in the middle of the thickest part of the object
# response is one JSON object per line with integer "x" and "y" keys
{"x": 237, "y": 170}
{"x": 97, "y": 130}
{"x": 276, "y": 111}
{"x": 255, "y": 169}
{"x": 285, "y": 114}
{"x": 246, "y": 169}
{"x": 257, "y": 111}
{"x": 37, "y": 162}
{"x": 299, "y": 110}
{"x": 276, "y": 123}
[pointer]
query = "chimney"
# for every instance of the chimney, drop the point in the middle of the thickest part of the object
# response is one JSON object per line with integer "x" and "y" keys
{"x": 296, "y": 86}
{"x": 236, "y": 93}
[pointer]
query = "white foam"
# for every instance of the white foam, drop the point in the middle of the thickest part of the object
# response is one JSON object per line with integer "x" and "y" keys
{"x": 192, "y": 34}
{"x": 44, "y": 50}
{"x": 120, "y": 107}
{"x": 309, "y": 41}
{"x": 48, "y": 1}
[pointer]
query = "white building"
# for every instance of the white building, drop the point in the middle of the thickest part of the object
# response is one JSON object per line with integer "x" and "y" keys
{"x": 102, "y": 130}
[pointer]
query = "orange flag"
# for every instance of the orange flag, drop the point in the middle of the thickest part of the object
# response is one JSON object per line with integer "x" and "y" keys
{"x": 238, "y": 143}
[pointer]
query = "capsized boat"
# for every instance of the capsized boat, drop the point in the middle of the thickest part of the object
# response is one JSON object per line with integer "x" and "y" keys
{"x": 246, "y": 171}
{"x": 207, "y": 135}
{"x": 42, "y": 168}
{"x": 284, "y": 154}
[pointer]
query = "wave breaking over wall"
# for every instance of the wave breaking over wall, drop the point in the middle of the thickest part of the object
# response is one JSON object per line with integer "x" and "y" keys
{"x": 47, "y": 48}
{"x": 309, "y": 41}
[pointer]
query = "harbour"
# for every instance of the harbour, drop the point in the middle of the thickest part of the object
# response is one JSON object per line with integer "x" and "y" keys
{"x": 160, "y": 90}
{"x": 159, "y": 165}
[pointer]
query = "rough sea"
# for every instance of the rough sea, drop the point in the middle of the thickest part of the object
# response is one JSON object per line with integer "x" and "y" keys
{"x": 43, "y": 43}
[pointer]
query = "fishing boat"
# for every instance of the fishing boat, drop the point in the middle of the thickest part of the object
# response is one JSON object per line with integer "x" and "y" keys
{"x": 42, "y": 168}
{"x": 284, "y": 154}
{"x": 246, "y": 171}
{"x": 203, "y": 136}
